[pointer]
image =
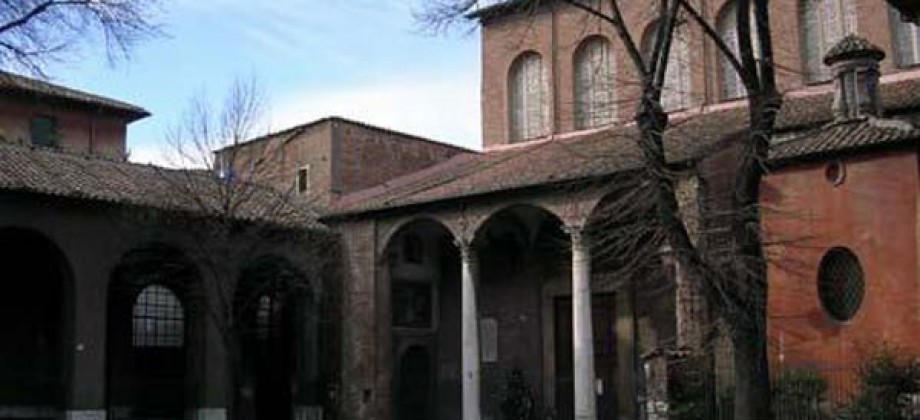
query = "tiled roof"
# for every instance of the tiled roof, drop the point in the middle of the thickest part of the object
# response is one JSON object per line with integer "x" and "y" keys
{"x": 612, "y": 150}
{"x": 55, "y": 173}
{"x": 844, "y": 135}
{"x": 20, "y": 85}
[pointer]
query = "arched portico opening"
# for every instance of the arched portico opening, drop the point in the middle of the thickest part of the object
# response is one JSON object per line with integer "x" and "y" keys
{"x": 627, "y": 252}
{"x": 152, "y": 317}
{"x": 278, "y": 331}
{"x": 522, "y": 249}
{"x": 34, "y": 293}
{"x": 422, "y": 265}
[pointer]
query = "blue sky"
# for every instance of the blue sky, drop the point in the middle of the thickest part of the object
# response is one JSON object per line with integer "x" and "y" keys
{"x": 361, "y": 59}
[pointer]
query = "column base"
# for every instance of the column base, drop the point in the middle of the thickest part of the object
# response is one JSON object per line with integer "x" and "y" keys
{"x": 308, "y": 412}
{"x": 212, "y": 413}
{"x": 85, "y": 415}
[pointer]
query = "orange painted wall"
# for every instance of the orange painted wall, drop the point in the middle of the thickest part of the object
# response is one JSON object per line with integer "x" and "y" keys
{"x": 874, "y": 214}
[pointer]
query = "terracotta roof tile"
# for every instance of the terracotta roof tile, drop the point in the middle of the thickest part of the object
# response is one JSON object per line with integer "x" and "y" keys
{"x": 20, "y": 85}
{"x": 60, "y": 174}
{"x": 614, "y": 150}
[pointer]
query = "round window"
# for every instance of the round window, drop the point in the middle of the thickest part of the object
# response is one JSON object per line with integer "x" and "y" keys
{"x": 841, "y": 284}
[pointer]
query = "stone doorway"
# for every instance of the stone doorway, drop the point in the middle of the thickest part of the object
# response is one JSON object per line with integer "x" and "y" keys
{"x": 605, "y": 355}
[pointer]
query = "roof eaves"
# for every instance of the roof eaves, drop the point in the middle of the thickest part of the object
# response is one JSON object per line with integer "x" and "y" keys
{"x": 23, "y": 86}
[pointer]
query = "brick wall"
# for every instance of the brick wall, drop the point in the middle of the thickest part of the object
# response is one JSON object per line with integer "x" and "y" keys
{"x": 556, "y": 31}
{"x": 340, "y": 156}
{"x": 368, "y": 156}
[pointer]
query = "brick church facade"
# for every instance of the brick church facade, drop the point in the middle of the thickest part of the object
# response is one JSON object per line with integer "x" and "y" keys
{"x": 460, "y": 269}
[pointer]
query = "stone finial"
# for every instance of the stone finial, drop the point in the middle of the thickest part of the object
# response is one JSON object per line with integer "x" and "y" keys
{"x": 853, "y": 47}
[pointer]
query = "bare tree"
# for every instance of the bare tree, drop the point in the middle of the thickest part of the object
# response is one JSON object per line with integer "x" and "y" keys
{"x": 34, "y": 33}
{"x": 736, "y": 286}
{"x": 252, "y": 241}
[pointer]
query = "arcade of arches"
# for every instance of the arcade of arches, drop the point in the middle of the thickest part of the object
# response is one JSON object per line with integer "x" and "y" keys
{"x": 460, "y": 316}
{"x": 125, "y": 335}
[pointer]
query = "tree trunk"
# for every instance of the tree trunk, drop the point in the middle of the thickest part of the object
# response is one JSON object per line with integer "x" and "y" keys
{"x": 752, "y": 379}
{"x": 749, "y": 288}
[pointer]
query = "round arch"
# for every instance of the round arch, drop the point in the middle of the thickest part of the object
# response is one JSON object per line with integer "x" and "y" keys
{"x": 419, "y": 287}
{"x": 35, "y": 300}
{"x": 153, "y": 319}
{"x": 422, "y": 222}
{"x": 521, "y": 215}
{"x": 277, "y": 317}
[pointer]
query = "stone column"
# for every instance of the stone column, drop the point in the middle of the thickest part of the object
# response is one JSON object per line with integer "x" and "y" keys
{"x": 582, "y": 330}
{"x": 469, "y": 320}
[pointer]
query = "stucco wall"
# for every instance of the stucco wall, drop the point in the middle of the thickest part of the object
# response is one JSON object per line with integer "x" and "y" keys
{"x": 79, "y": 131}
{"x": 874, "y": 214}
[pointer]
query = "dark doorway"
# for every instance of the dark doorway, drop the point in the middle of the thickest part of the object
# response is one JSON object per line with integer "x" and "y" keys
{"x": 413, "y": 392}
{"x": 272, "y": 300}
{"x": 605, "y": 357}
{"x": 31, "y": 308}
{"x": 269, "y": 350}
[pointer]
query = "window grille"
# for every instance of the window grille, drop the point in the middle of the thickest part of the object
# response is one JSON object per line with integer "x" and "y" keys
{"x": 594, "y": 84}
{"x": 841, "y": 284}
{"x": 269, "y": 317}
{"x": 159, "y": 319}
{"x": 824, "y": 23}
{"x": 528, "y": 99}
{"x": 906, "y": 39}
{"x": 675, "y": 91}
{"x": 732, "y": 86}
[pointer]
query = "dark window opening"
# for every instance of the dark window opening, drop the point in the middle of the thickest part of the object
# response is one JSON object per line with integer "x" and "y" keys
{"x": 303, "y": 180}
{"x": 412, "y": 305}
{"x": 44, "y": 131}
{"x": 413, "y": 249}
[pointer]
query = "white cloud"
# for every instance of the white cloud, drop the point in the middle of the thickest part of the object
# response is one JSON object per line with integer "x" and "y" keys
{"x": 152, "y": 153}
{"x": 444, "y": 109}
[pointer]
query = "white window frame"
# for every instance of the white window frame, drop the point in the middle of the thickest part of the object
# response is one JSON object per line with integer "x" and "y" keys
{"x": 302, "y": 183}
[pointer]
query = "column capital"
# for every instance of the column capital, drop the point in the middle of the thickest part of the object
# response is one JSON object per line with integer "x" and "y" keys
{"x": 577, "y": 234}
{"x": 466, "y": 248}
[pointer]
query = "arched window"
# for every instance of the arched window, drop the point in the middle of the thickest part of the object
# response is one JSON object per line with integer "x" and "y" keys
{"x": 594, "y": 84}
{"x": 528, "y": 100}
{"x": 727, "y": 24}
{"x": 675, "y": 92}
{"x": 268, "y": 316}
{"x": 824, "y": 23}
{"x": 906, "y": 39}
{"x": 158, "y": 318}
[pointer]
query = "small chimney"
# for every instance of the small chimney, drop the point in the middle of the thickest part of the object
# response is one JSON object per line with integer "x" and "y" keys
{"x": 854, "y": 63}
